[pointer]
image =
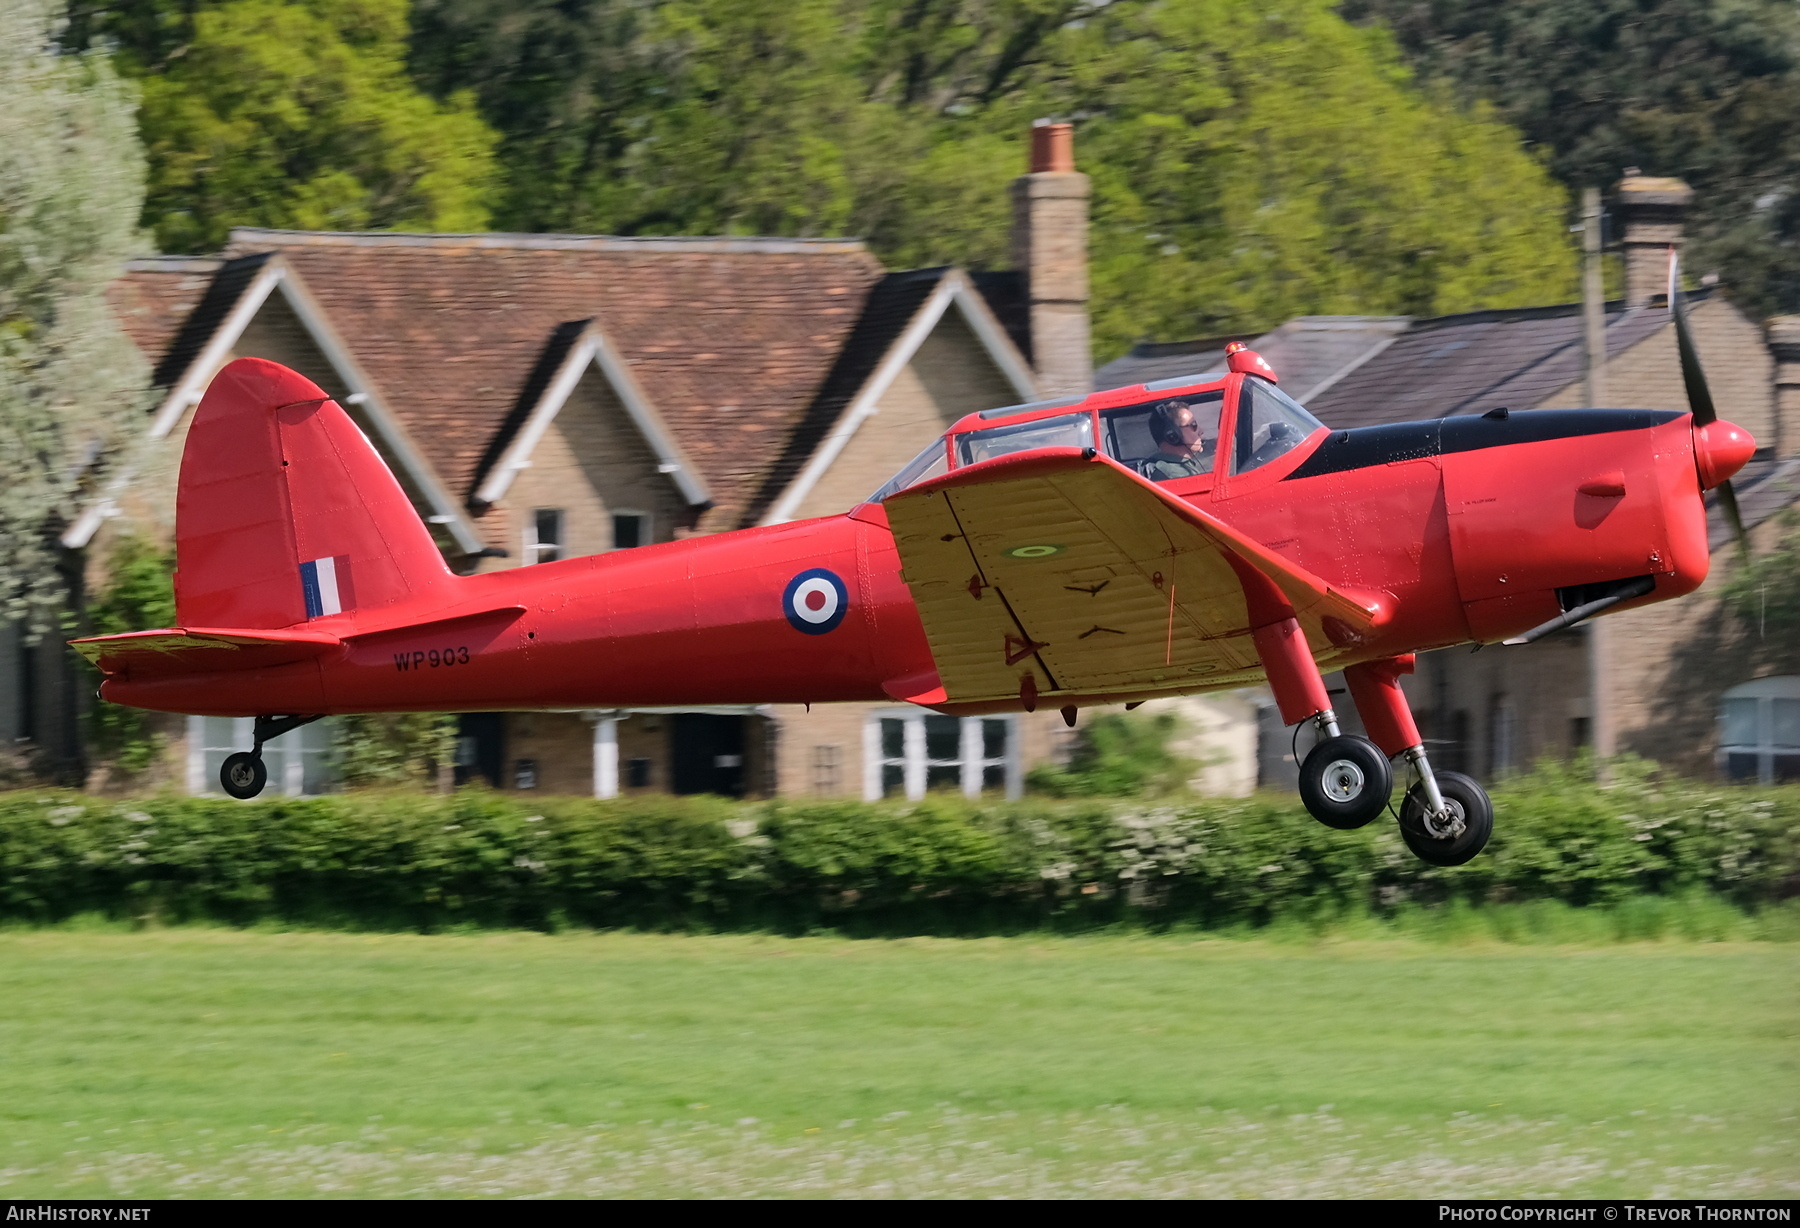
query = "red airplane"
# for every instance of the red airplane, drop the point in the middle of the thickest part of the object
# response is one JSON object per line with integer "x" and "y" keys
{"x": 1162, "y": 539}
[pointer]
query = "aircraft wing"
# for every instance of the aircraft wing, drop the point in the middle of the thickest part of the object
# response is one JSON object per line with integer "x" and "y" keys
{"x": 1062, "y": 571}
{"x": 183, "y": 650}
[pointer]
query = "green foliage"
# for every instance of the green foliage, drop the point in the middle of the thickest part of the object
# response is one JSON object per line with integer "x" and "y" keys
{"x": 297, "y": 113}
{"x": 1118, "y": 755}
{"x": 1766, "y": 593}
{"x": 1254, "y": 162}
{"x": 71, "y": 183}
{"x": 1702, "y": 89}
{"x": 1251, "y": 161}
{"x": 946, "y": 866}
{"x": 393, "y": 748}
{"x": 140, "y": 596}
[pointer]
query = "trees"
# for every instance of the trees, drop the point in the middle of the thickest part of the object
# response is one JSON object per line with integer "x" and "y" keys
{"x": 293, "y": 113}
{"x": 71, "y": 184}
{"x": 1703, "y": 89}
{"x": 1251, "y": 161}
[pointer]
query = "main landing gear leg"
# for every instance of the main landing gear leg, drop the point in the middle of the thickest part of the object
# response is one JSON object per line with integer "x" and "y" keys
{"x": 1344, "y": 781}
{"x": 244, "y": 774}
{"x": 1445, "y": 818}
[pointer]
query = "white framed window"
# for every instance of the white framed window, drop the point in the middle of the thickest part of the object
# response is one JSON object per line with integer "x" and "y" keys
{"x": 299, "y": 761}
{"x": 630, "y": 529}
{"x": 1759, "y": 731}
{"x": 909, "y": 752}
{"x": 543, "y": 536}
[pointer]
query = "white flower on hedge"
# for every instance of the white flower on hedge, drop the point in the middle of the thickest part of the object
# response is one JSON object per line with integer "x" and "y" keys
{"x": 741, "y": 829}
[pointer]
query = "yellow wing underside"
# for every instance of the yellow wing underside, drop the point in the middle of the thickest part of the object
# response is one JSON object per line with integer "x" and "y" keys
{"x": 1075, "y": 573}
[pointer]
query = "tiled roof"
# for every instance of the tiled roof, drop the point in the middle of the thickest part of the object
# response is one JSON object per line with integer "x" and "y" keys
{"x": 729, "y": 338}
{"x": 1006, "y": 296}
{"x": 1154, "y": 360}
{"x": 155, "y": 295}
{"x": 228, "y": 285}
{"x": 1312, "y": 353}
{"x": 1306, "y": 352}
{"x": 556, "y": 352}
{"x": 890, "y": 307}
{"x": 1472, "y": 363}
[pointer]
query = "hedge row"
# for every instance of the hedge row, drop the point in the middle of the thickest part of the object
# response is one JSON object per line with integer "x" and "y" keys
{"x": 943, "y": 866}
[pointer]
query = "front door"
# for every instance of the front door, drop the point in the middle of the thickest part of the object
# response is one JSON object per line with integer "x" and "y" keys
{"x": 707, "y": 754}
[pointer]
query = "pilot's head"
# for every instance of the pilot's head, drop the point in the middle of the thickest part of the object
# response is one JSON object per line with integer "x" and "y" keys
{"x": 1175, "y": 429}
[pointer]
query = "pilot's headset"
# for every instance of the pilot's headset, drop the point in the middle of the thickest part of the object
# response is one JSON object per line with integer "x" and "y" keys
{"x": 1163, "y": 417}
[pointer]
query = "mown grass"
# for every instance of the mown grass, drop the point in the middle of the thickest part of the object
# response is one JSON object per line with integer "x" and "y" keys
{"x": 207, "y": 1062}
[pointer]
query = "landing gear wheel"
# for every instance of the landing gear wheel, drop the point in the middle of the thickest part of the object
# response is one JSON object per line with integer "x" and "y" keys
{"x": 243, "y": 775}
{"x": 1470, "y": 824}
{"x": 1345, "y": 782}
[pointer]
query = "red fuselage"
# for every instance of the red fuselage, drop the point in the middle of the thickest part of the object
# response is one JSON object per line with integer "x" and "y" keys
{"x": 1471, "y": 525}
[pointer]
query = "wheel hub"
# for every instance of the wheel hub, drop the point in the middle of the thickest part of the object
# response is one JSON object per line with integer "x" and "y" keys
{"x": 1449, "y": 824}
{"x": 1342, "y": 781}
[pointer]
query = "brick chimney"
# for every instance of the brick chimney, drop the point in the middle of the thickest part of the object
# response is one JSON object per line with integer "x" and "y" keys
{"x": 1653, "y": 211}
{"x": 1049, "y": 248}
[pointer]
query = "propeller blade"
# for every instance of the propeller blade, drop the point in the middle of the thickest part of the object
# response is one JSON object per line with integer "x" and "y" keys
{"x": 1728, "y": 501}
{"x": 1699, "y": 397}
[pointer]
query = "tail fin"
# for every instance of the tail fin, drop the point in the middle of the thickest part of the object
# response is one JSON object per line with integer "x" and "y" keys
{"x": 285, "y": 512}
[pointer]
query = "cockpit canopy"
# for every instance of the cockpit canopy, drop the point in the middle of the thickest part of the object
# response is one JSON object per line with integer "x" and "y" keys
{"x": 1169, "y": 431}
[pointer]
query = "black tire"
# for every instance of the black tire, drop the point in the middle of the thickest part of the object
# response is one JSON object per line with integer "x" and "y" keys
{"x": 1468, "y": 801}
{"x": 243, "y": 775}
{"x": 1345, "y": 782}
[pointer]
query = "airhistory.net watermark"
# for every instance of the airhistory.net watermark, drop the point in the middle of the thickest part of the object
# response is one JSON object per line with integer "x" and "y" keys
{"x": 53, "y": 1213}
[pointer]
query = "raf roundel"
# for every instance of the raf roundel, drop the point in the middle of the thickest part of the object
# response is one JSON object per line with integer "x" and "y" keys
{"x": 815, "y": 601}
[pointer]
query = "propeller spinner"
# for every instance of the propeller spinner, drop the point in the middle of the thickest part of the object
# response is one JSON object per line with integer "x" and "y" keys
{"x": 1720, "y": 447}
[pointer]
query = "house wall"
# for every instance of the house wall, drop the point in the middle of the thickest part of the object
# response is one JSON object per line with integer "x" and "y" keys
{"x": 950, "y": 376}
{"x": 1502, "y": 709}
{"x": 559, "y": 744}
{"x": 1218, "y": 734}
{"x": 1739, "y": 370}
{"x": 1673, "y": 661}
{"x": 591, "y": 462}
{"x": 838, "y": 730}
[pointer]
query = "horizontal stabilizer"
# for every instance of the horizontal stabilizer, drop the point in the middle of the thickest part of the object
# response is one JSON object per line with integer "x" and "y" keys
{"x": 186, "y": 650}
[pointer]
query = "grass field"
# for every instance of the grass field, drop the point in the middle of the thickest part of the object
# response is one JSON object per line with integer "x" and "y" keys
{"x": 213, "y": 1063}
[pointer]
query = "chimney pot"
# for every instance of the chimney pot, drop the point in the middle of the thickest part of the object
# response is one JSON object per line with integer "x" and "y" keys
{"x": 1052, "y": 148}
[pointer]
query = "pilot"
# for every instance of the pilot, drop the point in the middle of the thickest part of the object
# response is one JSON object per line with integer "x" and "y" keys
{"x": 1182, "y": 451}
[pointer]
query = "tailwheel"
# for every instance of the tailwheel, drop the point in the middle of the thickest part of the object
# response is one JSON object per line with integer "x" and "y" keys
{"x": 243, "y": 774}
{"x": 1345, "y": 782}
{"x": 1452, "y": 838}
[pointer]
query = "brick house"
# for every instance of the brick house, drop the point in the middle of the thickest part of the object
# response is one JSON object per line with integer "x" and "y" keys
{"x": 1684, "y": 682}
{"x": 545, "y": 396}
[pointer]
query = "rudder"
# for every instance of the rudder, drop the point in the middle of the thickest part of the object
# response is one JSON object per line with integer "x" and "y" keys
{"x": 285, "y": 513}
